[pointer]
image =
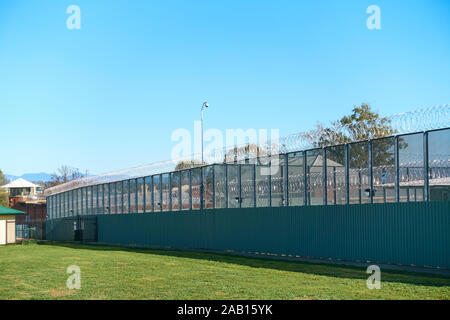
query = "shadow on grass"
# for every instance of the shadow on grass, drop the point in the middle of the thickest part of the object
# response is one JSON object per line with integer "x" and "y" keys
{"x": 320, "y": 269}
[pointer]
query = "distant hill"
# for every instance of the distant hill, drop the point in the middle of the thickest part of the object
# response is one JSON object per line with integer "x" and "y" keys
{"x": 42, "y": 176}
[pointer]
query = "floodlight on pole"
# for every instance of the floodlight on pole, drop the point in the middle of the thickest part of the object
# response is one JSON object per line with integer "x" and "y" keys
{"x": 205, "y": 104}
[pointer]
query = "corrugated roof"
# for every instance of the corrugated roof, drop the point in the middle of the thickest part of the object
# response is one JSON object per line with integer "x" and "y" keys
{"x": 20, "y": 183}
{"x": 9, "y": 211}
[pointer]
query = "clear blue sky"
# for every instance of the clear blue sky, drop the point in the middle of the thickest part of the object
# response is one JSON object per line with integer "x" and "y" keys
{"x": 108, "y": 96}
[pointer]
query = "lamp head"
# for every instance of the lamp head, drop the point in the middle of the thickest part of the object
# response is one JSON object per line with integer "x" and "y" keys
{"x": 206, "y": 104}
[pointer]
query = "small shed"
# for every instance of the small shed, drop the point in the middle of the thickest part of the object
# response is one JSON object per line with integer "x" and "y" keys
{"x": 8, "y": 225}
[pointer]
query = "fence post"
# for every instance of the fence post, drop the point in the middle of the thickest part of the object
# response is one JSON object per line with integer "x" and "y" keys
{"x": 52, "y": 206}
{"x": 269, "y": 181}
{"x": 170, "y": 191}
{"x": 75, "y": 201}
{"x": 334, "y": 186}
{"x": 152, "y": 195}
{"x": 136, "y": 198}
{"x": 426, "y": 169}
{"x": 129, "y": 196}
{"x": 397, "y": 169}
{"x": 98, "y": 192}
{"x": 86, "y": 201}
{"x": 213, "y": 187}
{"x": 121, "y": 197}
{"x": 240, "y": 185}
{"x": 103, "y": 198}
{"x": 109, "y": 198}
{"x": 324, "y": 177}
{"x": 407, "y": 188}
{"x": 49, "y": 207}
{"x": 360, "y": 185}
{"x": 305, "y": 179}
{"x": 254, "y": 185}
{"x": 190, "y": 189}
{"x": 72, "y": 199}
{"x": 201, "y": 188}
{"x": 144, "y": 195}
{"x": 347, "y": 173}
{"x": 370, "y": 171}
{"x": 114, "y": 186}
{"x": 226, "y": 184}
{"x": 160, "y": 193}
{"x": 286, "y": 180}
{"x": 92, "y": 199}
{"x": 180, "y": 192}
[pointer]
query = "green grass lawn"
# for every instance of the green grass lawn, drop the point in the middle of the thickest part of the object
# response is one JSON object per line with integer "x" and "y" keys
{"x": 38, "y": 271}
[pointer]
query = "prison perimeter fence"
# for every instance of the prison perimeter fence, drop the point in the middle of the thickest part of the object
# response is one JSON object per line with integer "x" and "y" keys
{"x": 405, "y": 168}
{"x": 384, "y": 200}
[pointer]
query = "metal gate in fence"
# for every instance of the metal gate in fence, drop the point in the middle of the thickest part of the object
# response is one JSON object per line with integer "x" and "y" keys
{"x": 30, "y": 230}
{"x": 79, "y": 228}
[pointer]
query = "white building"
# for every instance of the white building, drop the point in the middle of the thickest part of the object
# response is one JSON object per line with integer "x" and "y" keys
{"x": 22, "y": 187}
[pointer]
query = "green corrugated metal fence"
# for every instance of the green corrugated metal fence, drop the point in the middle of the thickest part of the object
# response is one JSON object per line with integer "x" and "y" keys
{"x": 64, "y": 229}
{"x": 415, "y": 233}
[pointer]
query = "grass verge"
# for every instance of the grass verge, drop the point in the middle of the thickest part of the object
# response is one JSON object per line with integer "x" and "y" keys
{"x": 38, "y": 271}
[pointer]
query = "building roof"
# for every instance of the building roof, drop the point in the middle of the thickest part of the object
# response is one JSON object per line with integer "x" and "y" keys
{"x": 433, "y": 182}
{"x": 9, "y": 211}
{"x": 19, "y": 183}
{"x": 318, "y": 162}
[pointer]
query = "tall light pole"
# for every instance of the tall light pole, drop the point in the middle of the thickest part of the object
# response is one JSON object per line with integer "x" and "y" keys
{"x": 205, "y": 104}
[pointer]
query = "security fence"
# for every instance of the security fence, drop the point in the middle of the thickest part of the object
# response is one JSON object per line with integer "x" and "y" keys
{"x": 404, "y": 233}
{"x": 402, "y": 168}
{"x": 437, "y": 117}
{"x": 33, "y": 229}
{"x": 79, "y": 228}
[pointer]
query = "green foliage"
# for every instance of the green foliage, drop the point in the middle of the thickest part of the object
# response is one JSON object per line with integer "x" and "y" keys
{"x": 181, "y": 165}
{"x": 361, "y": 125}
{"x": 4, "y": 199}
{"x": 248, "y": 151}
{"x": 3, "y": 180}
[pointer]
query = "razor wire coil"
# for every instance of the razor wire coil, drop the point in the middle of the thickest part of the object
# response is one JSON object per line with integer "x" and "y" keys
{"x": 432, "y": 118}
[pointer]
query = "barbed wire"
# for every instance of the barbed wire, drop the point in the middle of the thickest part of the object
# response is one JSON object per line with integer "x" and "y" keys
{"x": 436, "y": 117}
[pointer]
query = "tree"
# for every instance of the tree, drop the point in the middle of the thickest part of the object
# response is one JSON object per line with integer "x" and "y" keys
{"x": 362, "y": 124}
{"x": 181, "y": 165}
{"x": 4, "y": 199}
{"x": 249, "y": 151}
{"x": 65, "y": 174}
